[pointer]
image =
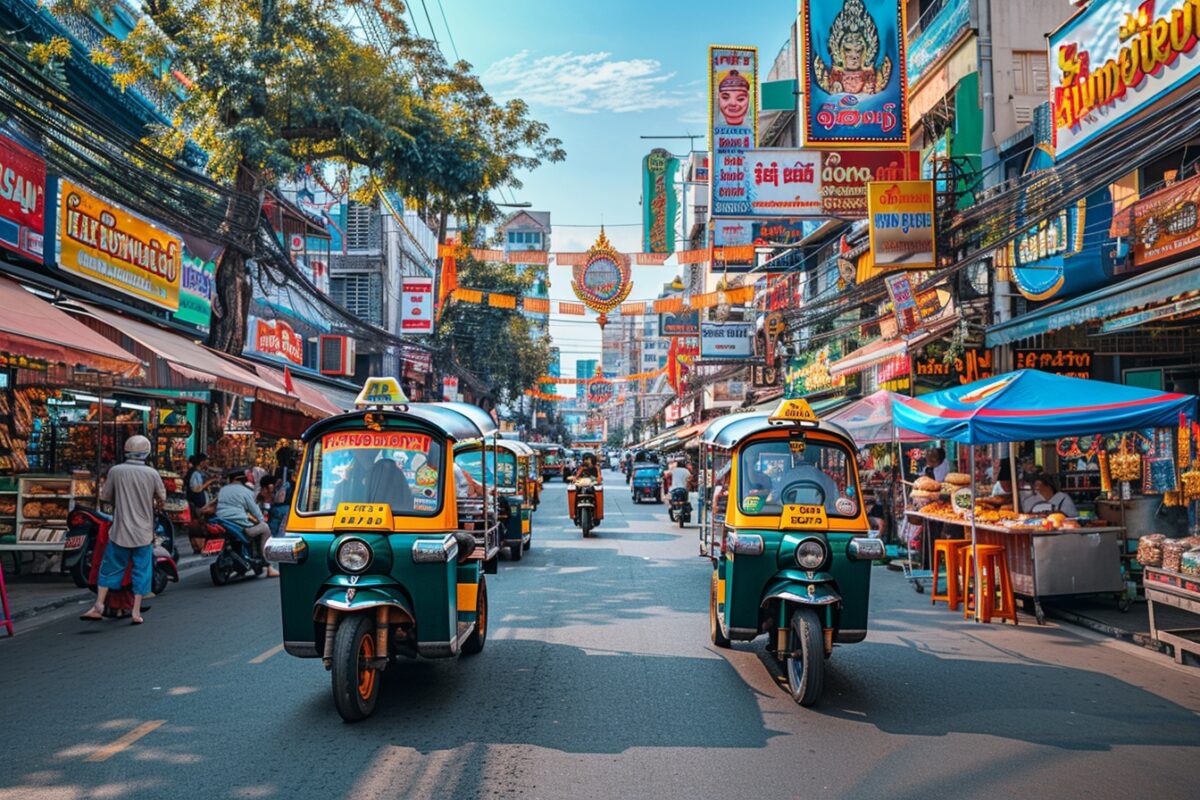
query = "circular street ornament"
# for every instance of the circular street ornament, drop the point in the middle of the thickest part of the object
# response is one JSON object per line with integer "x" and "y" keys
{"x": 603, "y": 281}
{"x": 600, "y": 391}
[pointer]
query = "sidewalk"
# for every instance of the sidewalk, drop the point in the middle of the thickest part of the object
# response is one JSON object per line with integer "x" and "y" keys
{"x": 30, "y": 595}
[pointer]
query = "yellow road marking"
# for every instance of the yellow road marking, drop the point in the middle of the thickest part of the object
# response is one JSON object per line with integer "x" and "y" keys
{"x": 108, "y": 751}
{"x": 274, "y": 651}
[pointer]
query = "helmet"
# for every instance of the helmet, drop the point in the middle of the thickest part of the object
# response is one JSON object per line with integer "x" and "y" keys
{"x": 137, "y": 447}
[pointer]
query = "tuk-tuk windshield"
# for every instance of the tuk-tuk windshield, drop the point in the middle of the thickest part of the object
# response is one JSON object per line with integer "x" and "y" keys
{"x": 780, "y": 472}
{"x": 400, "y": 468}
{"x": 500, "y": 472}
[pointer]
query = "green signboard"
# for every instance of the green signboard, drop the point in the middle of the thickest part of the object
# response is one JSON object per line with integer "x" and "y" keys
{"x": 659, "y": 202}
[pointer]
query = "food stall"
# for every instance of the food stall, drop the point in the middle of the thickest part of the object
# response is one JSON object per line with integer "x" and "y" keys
{"x": 1048, "y": 554}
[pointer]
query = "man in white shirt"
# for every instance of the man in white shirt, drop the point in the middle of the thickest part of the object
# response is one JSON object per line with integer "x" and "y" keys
{"x": 935, "y": 462}
{"x": 236, "y": 503}
{"x": 681, "y": 476}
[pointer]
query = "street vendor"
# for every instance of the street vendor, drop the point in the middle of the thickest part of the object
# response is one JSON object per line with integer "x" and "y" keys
{"x": 1046, "y": 498}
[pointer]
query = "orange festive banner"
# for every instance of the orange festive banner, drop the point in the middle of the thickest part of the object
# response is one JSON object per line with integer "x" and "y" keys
{"x": 487, "y": 255}
{"x": 707, "y": 300}
{"x": 527, "y": 257}
{"x": 468, "y": 295}
{"x": 633, "y": 309}
{"x": 740, "y": 254}
{"x": 572, "y": 309}
{"x": 692, "y": 256}
{"x": 536, "y": 305}
{"x": 668, "y": 305}
{"x": 502, "y": 301}
{"x": 651, "y": 259}
{"x": 570, "y": 259}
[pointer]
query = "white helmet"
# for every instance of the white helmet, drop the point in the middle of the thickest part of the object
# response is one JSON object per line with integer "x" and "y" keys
{"x": 137, "y": 447}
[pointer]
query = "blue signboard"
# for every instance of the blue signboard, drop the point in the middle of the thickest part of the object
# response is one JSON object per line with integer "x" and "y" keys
{"x": 937, "y": 36}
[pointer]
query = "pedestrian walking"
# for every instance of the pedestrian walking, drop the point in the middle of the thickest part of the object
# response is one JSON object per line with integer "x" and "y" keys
{"x": 135, "y": 491}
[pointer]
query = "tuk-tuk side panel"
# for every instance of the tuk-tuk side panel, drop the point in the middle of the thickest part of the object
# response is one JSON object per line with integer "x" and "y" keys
{"x": 853, "y": 582}
{"x": 745, "y": 579}
{"x": 433, "y": 589}
{"x": 300, "y": 586}
{"x": 466, "y": 593}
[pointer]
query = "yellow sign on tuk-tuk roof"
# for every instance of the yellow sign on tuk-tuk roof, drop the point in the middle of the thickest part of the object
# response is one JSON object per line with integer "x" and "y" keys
{"x": 381, "y": 392}
{"x": 794, "y": 411}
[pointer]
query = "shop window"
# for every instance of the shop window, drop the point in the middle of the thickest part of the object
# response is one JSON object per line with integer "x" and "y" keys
{"x": 361, "y": 294}
{"x": 1031, "y": 73}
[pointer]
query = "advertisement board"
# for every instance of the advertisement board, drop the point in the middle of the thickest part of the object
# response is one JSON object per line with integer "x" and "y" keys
{"x": 1166, "y": 223}
{"x": 845, "y": 175}
{"x": 854, "y": 71}
{"x": 937, "y": 35}
{"x": 660, "y": 203}
{"x": 680, "y": 323}
{"x": 782, "y": 182}
{"x": 1069, "y": 362}
{"x": 726, "y": 340}
{"x": 22, "y": 200}
{"x": 901, "y": 223}
{"x": 733, "y": 125}
{"x": 274, "y": 337}
{"x": 197, "y": 285}
{"x": 416, "y": 305}
{"x": 105, "y": 243}
{"x": 809, "y": 373}
{"x": 1114, "y": 59}
{"x": 904, "y": 304}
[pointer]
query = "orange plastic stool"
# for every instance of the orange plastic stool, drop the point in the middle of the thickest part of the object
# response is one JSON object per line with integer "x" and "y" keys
{"x": 948, "y": 553}
{"x": 993, "y": 571}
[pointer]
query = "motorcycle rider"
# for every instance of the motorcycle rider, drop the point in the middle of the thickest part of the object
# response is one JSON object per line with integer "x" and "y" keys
{"x": 237, "y": 504}
{"x": 588, "y": 469}
{"x": 680, "y": 476}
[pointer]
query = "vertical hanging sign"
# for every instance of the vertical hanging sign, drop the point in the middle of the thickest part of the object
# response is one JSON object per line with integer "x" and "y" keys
{"x": 854, "y": 73}
{"x": 659, "y": 203}
{"x": 733, "y": 125}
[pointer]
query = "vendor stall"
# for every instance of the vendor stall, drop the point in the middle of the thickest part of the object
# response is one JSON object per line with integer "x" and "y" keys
{"x": 1048, "y": 553}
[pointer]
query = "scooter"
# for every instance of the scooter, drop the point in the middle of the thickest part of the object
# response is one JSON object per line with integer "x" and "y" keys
{"x": 235, "y": 555}
{"x": 585, "y": 505}
{"x": 680, "y": 509}
{"x": 83, "y": 530}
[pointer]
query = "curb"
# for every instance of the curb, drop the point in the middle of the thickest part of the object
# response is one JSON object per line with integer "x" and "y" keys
{"x": 186, "y": 564}
{"x": 1140, "y": 639}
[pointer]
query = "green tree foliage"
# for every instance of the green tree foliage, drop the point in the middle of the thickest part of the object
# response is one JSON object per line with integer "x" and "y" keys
{"x": 494, "y": 344}
{"x": 616, "y": 436}
{"x": 268, "y": 87}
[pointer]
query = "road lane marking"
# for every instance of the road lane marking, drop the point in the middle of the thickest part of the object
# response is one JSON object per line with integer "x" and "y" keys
{"x": 108, "y": 751}
{"x": 274, "y": 651}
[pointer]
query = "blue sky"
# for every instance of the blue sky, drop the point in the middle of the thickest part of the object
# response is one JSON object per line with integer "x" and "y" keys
{"x": 602, "y": 75}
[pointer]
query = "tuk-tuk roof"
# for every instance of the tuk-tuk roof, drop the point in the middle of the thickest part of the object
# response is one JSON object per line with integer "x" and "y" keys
{"x": 727, "y": 431}
{"x": 511, "y": 445}
{"x": 459, "y": 421}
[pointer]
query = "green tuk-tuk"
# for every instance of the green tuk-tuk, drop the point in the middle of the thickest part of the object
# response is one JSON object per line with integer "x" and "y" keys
{"x": 508, "y": 465}
{"x": 380, "y": 557}
{"x": 784, "y": 523}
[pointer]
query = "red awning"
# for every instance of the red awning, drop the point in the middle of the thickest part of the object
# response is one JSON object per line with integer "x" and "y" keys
{"x": 33, "y": 328}
{"x": 867, "y": 355}
{"x": 310, "y": 402}
{"x": 181, "y": 363}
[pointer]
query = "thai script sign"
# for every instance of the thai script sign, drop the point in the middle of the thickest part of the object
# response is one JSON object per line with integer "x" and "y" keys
{"x": 972, "y": 365}
{"x": 845, "y": 175}
{"x": 1114, "y": 59}
{"x": 1068, "y": 362}
{"x": 726, "y": 340}
{"x": 733, "y": 125}
{"x": 22, "y": 200}
{"x": 855, "y": 72}
{"x": 809, "y": 373}
{"x": 783, "y": 182}
{"x": 1167, "y": 223}
{"x": 902, "y": 234}
{"x": 277, "y": 338}
{"x": 416, "y": 305}
{"x": 103, "y": 242}
{"x": 659, "y": 201}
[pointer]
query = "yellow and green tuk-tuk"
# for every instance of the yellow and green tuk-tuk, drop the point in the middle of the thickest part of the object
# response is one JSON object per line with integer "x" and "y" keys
{"x": 784, "y": 523}
{"x": 507, "y": 469}
{"x": 381, "y": 557}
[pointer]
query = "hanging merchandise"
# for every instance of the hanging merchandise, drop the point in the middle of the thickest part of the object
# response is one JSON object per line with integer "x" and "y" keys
{"x": 604, "y": 280}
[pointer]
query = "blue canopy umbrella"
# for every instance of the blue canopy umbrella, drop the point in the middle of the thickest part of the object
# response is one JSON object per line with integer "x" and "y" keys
{"x": 1030, "y": 404}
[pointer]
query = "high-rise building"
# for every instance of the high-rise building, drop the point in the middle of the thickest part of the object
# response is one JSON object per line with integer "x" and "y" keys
{"x": 584, "y": 369}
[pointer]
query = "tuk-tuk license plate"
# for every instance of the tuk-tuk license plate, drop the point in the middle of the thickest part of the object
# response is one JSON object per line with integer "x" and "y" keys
{"x": 74, "y": 543}
{"x": 212, "y": 547}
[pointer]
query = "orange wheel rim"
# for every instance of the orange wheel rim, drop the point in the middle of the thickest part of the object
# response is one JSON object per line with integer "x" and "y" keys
{"x": 366, "y": 675}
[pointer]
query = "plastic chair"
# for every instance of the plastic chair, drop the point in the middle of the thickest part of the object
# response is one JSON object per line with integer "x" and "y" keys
{"x": 993, "y": 572}
{"x": 948, "y": 553}
{"x": 6, "y": 620}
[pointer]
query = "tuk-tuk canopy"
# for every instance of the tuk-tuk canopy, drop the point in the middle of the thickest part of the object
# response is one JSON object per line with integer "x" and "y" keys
{"x": 727, "y": 431}
{"x": 459, "y": 421}
{"x": 1030, "y": 404}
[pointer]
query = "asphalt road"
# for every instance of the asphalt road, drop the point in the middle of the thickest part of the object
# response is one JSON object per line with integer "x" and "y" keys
{"x": 598, "y": 680}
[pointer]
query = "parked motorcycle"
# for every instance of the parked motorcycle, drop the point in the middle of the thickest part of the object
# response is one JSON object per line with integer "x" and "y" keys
{"x": 680, "y": 509}
{"x": 235, "y": 554}
{"x": 83, "y": 531}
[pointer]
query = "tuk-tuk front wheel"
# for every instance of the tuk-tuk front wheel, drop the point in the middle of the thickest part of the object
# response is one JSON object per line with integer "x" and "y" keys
{"x": 806, "y": 665}
{"x": 478, "y": 637}
{"x": 714, "y": 621}
{"x": 355, "y": 682}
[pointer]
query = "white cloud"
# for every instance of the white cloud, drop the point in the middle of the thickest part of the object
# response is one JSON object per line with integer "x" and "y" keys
{"x": 585, "y": 83}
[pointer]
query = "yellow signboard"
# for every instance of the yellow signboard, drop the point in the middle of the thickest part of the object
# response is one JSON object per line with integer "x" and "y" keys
{"x": 902, "y": 225}
{"x": 363, "y": 517}
{"x": 804, "y": 518}
{"x": 794, "y": 411}
{"x": 103, "y": 242}
{"x": 381, "y": 392}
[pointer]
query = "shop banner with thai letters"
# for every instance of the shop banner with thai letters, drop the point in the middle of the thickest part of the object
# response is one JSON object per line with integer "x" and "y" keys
{"x": 274, "y": 337}
{"x": 1059, "y": 361}
{"x": 726, "y": 341}
{"x": 105, "y": 243}
{"x": 659, "y": 201}
{"x": 22, "y": 200}
{"x": 810, "y": 373}
{"x": 845, "y": 175}
{"x": 1167, "y": 223}
{"x": 1116, "y": 58}
{"x": 783, "y": 182}
{"x": 733, "y": 126}
{"x": 902, "y": 234}
{"x": 416, "y": 305}
{"x": 854, "y": 71}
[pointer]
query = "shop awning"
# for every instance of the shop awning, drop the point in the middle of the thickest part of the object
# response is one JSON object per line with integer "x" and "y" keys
{"x": 309, "y": 401}
{"x": 180, "y": 363}
{"x": 869, "y": 420}
{"x": 1116, "y": 298}
{"x": 683, "y": 435}
{"x": 868, "y": 355}
{"x": 33, "y": 328}
{"x": 343, "y": 399}
{"x": 1029, "y": 404}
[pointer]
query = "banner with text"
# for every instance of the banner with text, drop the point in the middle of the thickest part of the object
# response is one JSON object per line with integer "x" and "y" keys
{"x": 726, "y": 341}
{"x": 902, "y": 234}
{"x": 416, "y": 305}
{"x": 659, "y": 202}
{"x": 733, "y": 125}
{"x": 22, "y": 200}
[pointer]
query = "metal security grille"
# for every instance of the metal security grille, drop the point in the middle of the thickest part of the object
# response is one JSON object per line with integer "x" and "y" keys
{"x": 360, "y": 293}
{"x": 358, "y": 227}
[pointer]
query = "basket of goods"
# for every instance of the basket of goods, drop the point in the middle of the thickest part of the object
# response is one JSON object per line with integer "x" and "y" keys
{"x": 1189, "y": 563}
{"x": 1150, "y": 550}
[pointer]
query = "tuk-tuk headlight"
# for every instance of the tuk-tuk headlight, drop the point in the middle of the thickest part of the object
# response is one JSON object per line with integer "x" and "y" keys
{"x": 354, "y": 555}
{"x": 810, "y": 554}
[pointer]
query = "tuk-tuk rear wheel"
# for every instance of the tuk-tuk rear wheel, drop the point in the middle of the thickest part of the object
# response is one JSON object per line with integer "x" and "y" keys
{"x": 806, "y": 668}
{"x": 714, "y": 622}
{"x": 478, "y": 637}
{"x": 355, "y": 683}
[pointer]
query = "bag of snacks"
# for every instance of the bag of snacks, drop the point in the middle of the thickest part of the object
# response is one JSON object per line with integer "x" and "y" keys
{"x": 1189, "y": 564}
{"x": 1172, "y": 554}
{"x": 1150, "y": 550}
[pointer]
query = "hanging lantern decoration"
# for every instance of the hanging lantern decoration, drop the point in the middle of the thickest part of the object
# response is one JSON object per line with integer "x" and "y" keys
{"x": 604, "y": 280}
{"x": 599, "y": 391}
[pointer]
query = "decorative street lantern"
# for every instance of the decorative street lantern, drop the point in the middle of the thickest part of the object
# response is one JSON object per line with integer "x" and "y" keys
{"x": 603, "y": 281}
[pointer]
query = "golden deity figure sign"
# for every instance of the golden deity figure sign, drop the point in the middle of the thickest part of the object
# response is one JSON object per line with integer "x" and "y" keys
{"x": 603, "y": 281}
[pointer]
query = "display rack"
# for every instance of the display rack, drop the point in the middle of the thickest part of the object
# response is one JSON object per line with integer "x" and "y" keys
{"x": 43, "y": 503}
{"x": 1178, "y": 591}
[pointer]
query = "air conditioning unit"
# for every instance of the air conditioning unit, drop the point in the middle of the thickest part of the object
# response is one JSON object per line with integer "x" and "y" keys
{"x": 337, "y": 356}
